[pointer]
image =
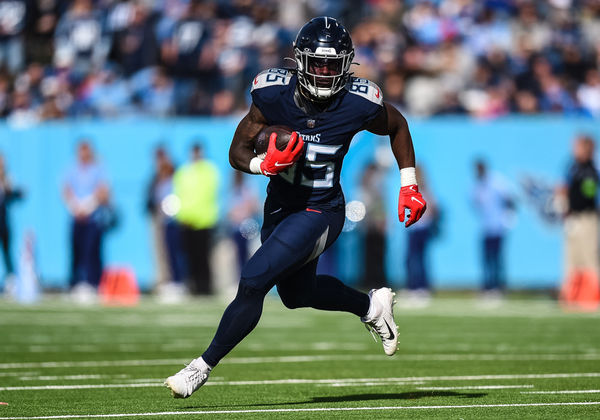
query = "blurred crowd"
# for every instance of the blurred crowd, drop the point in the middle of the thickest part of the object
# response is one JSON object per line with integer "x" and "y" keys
{"x": 105, "y": 58}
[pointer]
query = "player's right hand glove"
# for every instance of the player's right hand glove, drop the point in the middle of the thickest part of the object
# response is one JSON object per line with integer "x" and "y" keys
{"x": 411, "y": 199}
{"x": 279, "y": 160}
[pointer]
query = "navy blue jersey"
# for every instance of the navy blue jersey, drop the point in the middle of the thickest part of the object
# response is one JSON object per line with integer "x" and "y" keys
{"x": 315, "y": 179}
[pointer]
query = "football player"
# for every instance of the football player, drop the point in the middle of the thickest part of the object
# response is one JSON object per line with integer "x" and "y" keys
{"x": 304, "y": 209}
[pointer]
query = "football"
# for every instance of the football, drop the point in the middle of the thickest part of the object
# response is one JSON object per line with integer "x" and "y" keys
{"x": 261, "y": 142}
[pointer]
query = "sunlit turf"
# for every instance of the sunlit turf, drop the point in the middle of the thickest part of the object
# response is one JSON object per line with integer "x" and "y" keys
{"x": 464, "y": 359}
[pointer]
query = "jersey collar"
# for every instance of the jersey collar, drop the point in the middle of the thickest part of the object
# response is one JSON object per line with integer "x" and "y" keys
{"x": 309, "y": 107}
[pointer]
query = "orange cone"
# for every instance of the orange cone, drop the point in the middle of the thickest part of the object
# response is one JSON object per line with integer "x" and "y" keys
{"x": 581, "y": 291}
{"x": 118, "y": 287}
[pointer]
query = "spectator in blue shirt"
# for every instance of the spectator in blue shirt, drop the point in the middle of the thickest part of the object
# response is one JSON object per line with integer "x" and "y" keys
{"x": 86, "y": 194}
{"x": 493, "y": 203}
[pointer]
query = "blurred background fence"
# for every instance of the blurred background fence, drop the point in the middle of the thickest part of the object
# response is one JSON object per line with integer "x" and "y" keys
{"x": 519, "y": 148}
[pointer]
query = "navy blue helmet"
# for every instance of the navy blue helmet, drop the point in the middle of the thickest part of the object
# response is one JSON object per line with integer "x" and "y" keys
{"x": 323, "y": 51}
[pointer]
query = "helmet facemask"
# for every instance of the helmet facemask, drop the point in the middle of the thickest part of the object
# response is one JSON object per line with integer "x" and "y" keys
{"x": 323, "y": 73}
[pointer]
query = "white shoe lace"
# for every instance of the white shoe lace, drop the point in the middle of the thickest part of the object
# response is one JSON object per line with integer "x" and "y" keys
{"x": 370, "y": 329}
{"x": 192, "y": 376}
{"x": 373, "y": 327}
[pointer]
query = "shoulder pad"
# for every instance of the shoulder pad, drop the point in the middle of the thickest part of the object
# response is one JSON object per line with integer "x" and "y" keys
{"x": 366, "y": 89}
{"x": 271, "y": 77}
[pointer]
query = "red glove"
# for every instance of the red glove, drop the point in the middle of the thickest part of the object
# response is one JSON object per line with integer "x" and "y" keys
{"x": 279, "y": 160}
{"x": 411, "y": 199}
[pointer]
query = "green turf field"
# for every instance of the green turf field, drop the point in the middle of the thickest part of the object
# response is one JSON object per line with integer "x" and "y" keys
{"x": 525, "y": 359}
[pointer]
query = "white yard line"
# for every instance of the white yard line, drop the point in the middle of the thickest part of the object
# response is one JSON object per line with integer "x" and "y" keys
{"x": 308, "y": 359}
{"x": 76, "y": 320}
{"x": 299, "y": 410}
{"x": 133, "y": 348}
{"x": 71, "y": 377}
{"x": 330, "y": 382}
{"x": 497, "y": 357}
{"x": 452, "y": 388}
{"x": 361, "y": 384}
{"x": 78, "y": 386}
{"x": 352, "y": 381}
{"x": 574, "y": 391}
{"x": 95, "y": 363}
{"x": 413, "y": 358}
{"x": 17, "y": 373}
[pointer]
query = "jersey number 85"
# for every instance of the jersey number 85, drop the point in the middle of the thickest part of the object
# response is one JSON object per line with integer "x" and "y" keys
{"x": 311, "y": 163}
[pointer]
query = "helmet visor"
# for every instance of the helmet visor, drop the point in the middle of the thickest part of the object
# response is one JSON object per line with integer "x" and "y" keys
{"x": 323, "y": 73}
{"x": 325, "y": 70}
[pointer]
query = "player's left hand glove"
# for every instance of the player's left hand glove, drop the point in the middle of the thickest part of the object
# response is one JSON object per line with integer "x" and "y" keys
{"x": 411, "y": 199}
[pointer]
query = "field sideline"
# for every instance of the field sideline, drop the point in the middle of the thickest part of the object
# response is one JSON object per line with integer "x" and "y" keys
{"x": 525, "y": 359}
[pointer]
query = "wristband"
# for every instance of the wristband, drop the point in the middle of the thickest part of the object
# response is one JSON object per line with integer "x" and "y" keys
{"x": 408, "y": 176}
{"x": 255, "y": 163}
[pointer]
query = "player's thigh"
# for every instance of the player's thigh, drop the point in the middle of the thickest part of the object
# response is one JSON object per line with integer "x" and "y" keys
{"x": 273, "y": 215}
{"x": 297, "y": 239}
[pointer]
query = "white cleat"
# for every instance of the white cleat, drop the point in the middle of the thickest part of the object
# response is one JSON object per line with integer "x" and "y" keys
{"x": 188, "y": 379}
{"x": 380, "y": 319}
